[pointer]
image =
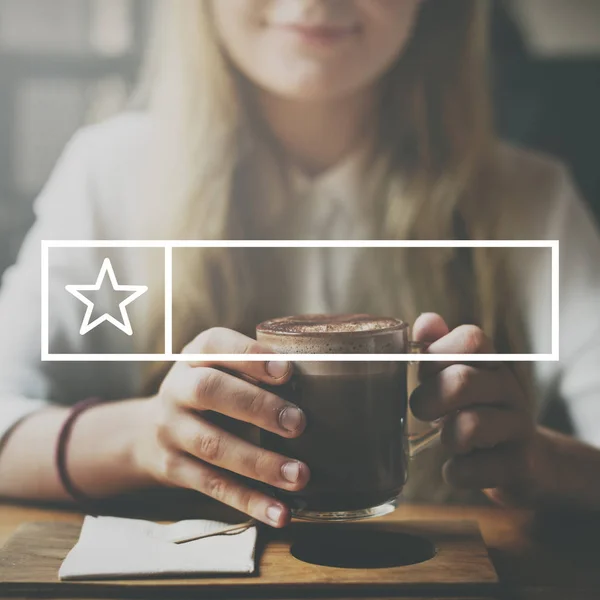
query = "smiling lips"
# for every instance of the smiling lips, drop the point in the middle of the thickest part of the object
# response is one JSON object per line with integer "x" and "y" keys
{"x": 320, "y": 34}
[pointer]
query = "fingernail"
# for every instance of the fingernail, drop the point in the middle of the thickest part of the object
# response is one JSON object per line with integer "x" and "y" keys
{"x": 291, "y": 419}
{"x": 278, "y": 369}
{"x": 274, "y": 513}
{"x": 291, "y": 471}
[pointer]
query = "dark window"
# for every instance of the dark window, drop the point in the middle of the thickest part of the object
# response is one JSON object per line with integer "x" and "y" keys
{"x": 63, "y": 63}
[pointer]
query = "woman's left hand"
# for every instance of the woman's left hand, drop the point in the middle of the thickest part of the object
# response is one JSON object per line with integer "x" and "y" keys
{"x": 486, "y": 419}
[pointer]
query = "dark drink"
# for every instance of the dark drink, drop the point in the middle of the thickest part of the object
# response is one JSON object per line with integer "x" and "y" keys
{"x": 354, "y": 442}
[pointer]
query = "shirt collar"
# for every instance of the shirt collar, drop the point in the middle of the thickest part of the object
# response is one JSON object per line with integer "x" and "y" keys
{"x": 341, "y": 182}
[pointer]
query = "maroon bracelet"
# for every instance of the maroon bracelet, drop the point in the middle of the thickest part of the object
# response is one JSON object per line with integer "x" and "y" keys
{"x": 60, "y": 457}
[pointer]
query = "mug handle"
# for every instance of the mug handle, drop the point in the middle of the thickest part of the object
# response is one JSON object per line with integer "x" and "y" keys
{"x": 421, "y": 441}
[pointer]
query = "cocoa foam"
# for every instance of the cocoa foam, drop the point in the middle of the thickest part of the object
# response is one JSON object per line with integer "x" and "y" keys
{"x": 334, "y": 334}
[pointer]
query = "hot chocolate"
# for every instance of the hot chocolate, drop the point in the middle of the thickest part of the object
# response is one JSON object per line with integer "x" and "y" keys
{"x": 356, "y": 412}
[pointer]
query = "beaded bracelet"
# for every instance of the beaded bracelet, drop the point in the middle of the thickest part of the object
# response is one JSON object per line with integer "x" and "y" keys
{"x": 61, "y": 453}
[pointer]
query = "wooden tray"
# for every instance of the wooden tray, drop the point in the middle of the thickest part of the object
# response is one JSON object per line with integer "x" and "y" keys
{"x": 30, "y": 560}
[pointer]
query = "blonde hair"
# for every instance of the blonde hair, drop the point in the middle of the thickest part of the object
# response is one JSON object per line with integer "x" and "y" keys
{"x": 434, "y": 157}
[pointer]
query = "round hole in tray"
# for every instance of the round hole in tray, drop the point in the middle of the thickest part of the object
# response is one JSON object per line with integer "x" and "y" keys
{"x": 354, "y": 549}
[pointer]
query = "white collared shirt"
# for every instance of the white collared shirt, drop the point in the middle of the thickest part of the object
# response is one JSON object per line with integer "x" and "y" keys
{"x": 94, "y": 194}
{"x": 331, "y": 211}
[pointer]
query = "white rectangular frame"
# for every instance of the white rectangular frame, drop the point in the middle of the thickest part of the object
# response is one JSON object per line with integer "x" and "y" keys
{"x": 168, "y": 247}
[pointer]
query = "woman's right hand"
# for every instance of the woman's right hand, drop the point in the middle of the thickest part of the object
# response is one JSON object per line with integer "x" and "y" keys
{"x": 178, "y": 446}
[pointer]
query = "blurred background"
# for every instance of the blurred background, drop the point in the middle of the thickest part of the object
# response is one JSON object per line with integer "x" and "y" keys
{"x": 65, "y": 63}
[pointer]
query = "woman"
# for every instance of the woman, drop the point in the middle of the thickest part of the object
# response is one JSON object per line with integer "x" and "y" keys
{"x": 308, "y": 119}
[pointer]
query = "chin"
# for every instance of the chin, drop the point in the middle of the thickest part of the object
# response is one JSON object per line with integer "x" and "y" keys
{"x": 313, "y": 96}
{"x": 320, "y": 89}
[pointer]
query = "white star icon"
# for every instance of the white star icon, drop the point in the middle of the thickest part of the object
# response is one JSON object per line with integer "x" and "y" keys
{"x": 125, "y": 324}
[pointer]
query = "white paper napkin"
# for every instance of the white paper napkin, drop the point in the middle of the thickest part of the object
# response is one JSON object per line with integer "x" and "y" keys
{"x": 110, "y": 548}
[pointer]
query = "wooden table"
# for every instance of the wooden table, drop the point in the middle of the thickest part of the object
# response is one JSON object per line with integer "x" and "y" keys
{"x": 532, "y": 561}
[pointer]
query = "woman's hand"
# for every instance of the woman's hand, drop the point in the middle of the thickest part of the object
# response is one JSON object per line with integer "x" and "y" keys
{"x": 487, "y": 421}
{"x": 178, "y": 445}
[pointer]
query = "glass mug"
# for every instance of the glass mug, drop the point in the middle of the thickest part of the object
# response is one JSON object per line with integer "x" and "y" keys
{"x": 355, "y": 443}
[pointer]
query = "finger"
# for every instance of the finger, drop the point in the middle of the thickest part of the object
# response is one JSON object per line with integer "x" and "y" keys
{"x": 227, "y": 341}
{"x": 486, "y": 469}
{"x": 429, "y": 328}
{"x": 484, "y": 428}
{"x": 186, "y": 472}
{"x": 209, "y": 443}
{"x": 466, "y": 339}
{"x": 204, "y": 389}
{"x": 459, "y": 387}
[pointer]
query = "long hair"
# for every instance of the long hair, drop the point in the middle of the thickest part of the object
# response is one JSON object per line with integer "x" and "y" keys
{"x": 432, "y": 178}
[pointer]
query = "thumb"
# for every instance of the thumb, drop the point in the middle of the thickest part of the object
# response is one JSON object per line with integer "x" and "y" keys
{"x": 429, "y": 327}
